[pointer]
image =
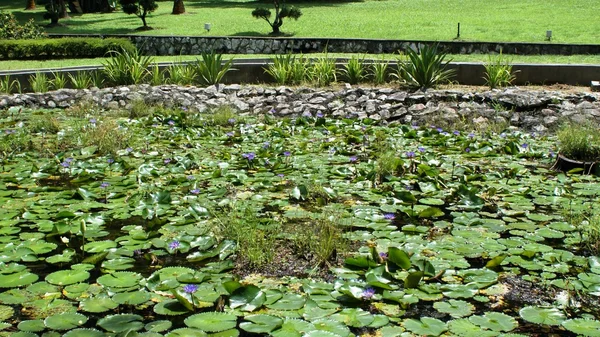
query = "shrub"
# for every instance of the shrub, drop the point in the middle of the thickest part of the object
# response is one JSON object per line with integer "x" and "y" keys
{"x": 498, "y": 72}
{"x": 354, "y": 71}
{"x": 286, "y": 69}
{"x": 281, "y": 12}
{"x": 322, "y": 71}
{"x": 62, "y": 48}
{"x": 10, "y": 29}
{"x": 140, "y": 8}
{"x": 127, "y": 68}
{"x": 425, "y": 69}
{"x": 8, "y": 85}
{"x": 211, "y": 69}
{"x": 379, "y": 71}
{"x": 39, "y": 82}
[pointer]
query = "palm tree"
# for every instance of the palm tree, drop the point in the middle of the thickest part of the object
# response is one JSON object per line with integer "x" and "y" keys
{"x": 30, "y": 5}
{"x": 178, "y": 7}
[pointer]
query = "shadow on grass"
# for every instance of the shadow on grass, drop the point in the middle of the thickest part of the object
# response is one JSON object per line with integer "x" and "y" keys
{"x": 262, "y": 3}
{"x": 254, "y": 34}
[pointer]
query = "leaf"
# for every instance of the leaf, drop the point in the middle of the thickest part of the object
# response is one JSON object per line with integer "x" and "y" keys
{"x": 19, "y": 279}
{"x": 586, "y": 327}
{"x": 413, "y": 279}
{"x": 98, "y": 304}
{"x": 431, "y": 212}
{"x": 122, "y": 322}
{"x": 544, "y": 316}
{"x": 426, "y": 326}
{"x": 65, "y": 321}
{"x": 212, "y": 321}
{"x": 495, "y": 321}
{"x": 399, "y": 257}
{"x": 455, "y": 308}
{"x": 66, "y": 277}
{"x": 248, "y": 298}
{"x": 261, "y": 323}
{"x": 288, "y": 302}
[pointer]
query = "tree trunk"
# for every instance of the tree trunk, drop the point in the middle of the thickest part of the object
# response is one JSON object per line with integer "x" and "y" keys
{"x": 178, "y": 7}
{"x": 63, "y": 9}
{"x": 143, "y": 17}
{"x": 276, "y": 29}
{"x": 30, "y": 5}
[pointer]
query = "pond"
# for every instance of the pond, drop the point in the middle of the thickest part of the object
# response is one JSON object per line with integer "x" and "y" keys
{"x": 173, "y": 223}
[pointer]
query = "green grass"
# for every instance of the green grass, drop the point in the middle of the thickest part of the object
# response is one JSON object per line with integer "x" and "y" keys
{"x": 542, "y": 59}
{"x": 572, "y": 21}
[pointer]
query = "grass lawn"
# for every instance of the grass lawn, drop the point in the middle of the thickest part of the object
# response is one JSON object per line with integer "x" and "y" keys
{"x": 572, "y": 21}
{"x": 544, "y": 59}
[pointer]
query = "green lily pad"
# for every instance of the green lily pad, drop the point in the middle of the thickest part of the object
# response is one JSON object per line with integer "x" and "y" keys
{"x": 425, "y": 326}
{"x": 122, "y": 279}
{"x": 354, "y": 317}
{"x": 186, "y": 332}
{"x": 248, "y": 298}
{"x": 288, "y": 302}
{"x": 35, "y": 325}
{"x": 333, "y": 326}
{"x": 98, "y": 304}
{"x": 66, "y": 277}
{"x": 495, "y": 321}
{"x": 158, "y": 326}
{"x": 586, "y": 327}
{"x": 212, "y": 321}
{"x": 122, "y": 322}
{"x": 65, "y": 321}
{"x": 261, "y": 323}
{"x": 544, "y": 316}
{"x": 132, "y": 297}
{"x": 170, "y": 308}
{"x": 455, "y": 308}
{"x": 19, "y": 279}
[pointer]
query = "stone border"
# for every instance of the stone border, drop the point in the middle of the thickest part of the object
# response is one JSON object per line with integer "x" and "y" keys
{"x": 251, "y": 71}
{"x": 194, "y": 45}
{"x": 537, "y": 111}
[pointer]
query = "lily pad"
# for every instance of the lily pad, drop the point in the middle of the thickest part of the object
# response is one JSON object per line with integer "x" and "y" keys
{"x": 122, "y": 322}
{"x": 212, "y": 321}
{"x": 586, "y": 327}
{"x": 65, "y": 321}
{"x": 66, "y": 277}
{"x": 544, "y": 316}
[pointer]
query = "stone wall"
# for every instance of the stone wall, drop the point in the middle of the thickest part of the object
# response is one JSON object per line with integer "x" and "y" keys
{"x": 194, "y": 45}
{"x": 530, "y": 110}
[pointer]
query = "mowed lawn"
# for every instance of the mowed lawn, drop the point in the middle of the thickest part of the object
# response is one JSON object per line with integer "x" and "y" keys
{"x": 571, "y": 21}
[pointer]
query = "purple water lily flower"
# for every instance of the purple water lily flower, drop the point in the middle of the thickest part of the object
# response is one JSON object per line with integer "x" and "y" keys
{"x": 190, "y": 177}
{"x": 319, "y": 115}
{"x": 383, "y": 256}
{"x": 287, "y": 153}
{"x": 231, "y": 121}
{"x": 389, "y": 216}
{"x": 195, "y": 191}
{"x": 249, "y": 155}
{"x": 104, "y": 185}
{"x": 171, "y": 122}
{"x": 129, "y": 149}
{"x": 174, "y": 244}
{"x": 471, "y": 135}
{"x": 266, "y": 145}
{"x": 421, "y": 149}
{"x": 230, "y": 134}
{"x": 110, "y": 160}
{"x": 272, "y": 111}
{"x": 167, "y": 160}
{"x": 93, "y": 121}
{"x": 503, "y": 135}
{"x": 439, "y": 129}
{"x": 368, "y": 293}
{"x": 353, "y": 159}
{"x": 281, "y": 175}
{"x": 524, "y": 145}
{"x": 65, "y": 164}
{"x": 456, "y": 133}
{"x": 410, "y": 154}
{"x": 190, "y": 288}
{"x": 468, "y": 150}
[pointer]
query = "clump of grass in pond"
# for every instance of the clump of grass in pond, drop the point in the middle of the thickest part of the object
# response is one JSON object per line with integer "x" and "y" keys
{"x": 580, "y": 141}
{"x": 224, "y": 115}
{"x": 587, "y": 222}
{"x": 211, "y": 69}
{"x": 14, "y": 141}
{"x": 379, "y": 71}
{"x": 388, "y": 165}
{"x": 322, "y": 71}
{"x": 255, "y": 236}
{"x": 81, "y": 80}
{"x": 107, "y": 135}
{"x": 140, "y": 109}
{"x": 83, "y": 109}
{"x": 182, "y": 74}
{"x": 498, "y": 72}
{"x": 321, "y": 236}
{"x": 287, "y": 69}
{"x": 44, "y": 122}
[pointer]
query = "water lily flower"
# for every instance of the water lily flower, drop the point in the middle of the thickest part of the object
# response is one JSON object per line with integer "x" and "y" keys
{"x": 287, "y": 153}
{"x": 65, "y": 164}
{"x": 93, "y": 121}
{"x": 456, "y": 133}
{"x": 468, "y": 150}
{"x": 368, "y": 293}
{"x": 353, "y": 159}
{"x": 190, "y": 177}
{"x": 174, "y": 244}
{"x": 421, "y": 149}
{"x": 110, "y": 160}
{"x": 190, "y": 288}
{"x": 195, "y": 191}
{"x": 230, "y": 134}
{"x": 552, "y": 154}
{"x": 410, "y": 154}
{"x": 439, "y": 129}
{"x": 281, "y": 175}
{"x": 471, "y": 135}
{"x": 306, "y": 114}
{"x": 167, "y": 160}
{"x": 10, "y": 132}
{"x": 129, "y": 149}
{"x": 383, "y": 256}
{"x": 503, "y": 135}
{"x": 231, "y": 121}
{"x": 266, "y": 145}
{"x": 524, "y": 145}
{"x": 249, "y": 155}
{"x": 104, "y": 185}
{"x": 319, "y": 115}
{"x": 272, "y": 111}
{"x": 171, "y": 122}
{"x": 389, "y": 216}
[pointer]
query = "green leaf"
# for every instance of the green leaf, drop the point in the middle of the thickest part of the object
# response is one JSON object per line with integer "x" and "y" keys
{"x": 212, "y": 321}
{"x": 65, "y": 321}
{"x": 261, "y": 323}
{"x": 288, "y": 302}
{"x": 431, "y": 212}
{"x": 122, "y": 322}
{"x": 399, "y": 257}
{"x": 248, "y": 298}
{"x": 413, "y": 279}
{"x": 586, "y": 327}
{"x": 455, "y": 308}
{"x": 544, "y": 316}
{"x": 495, "y": 321}
{"x": 66, "y": 277}
{"x": 426, "y": 326}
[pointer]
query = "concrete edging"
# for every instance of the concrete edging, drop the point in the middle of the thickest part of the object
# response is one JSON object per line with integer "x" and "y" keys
{"x": 251, "y": 71}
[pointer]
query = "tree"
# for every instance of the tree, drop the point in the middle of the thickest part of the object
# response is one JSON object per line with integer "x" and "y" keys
{"x": 178, "y": 7}
{"x": 55, "y": 9}
{"x": 141, "y": 8}
{"x": 281, "y": 11}
{"x": 30, "y": 5}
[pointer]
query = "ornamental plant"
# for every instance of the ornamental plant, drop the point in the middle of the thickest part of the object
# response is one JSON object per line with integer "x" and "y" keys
{"x": 425, "y": 68}
{"x": 498, "y": 72}
{"x": 580, "y": 141}
{"x": 140, "y": 8}
{"x": 10, "y": 29}
{"x": 281, "y": 12}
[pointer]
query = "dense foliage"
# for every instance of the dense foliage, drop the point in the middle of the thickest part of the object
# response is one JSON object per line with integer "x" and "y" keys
{"x": 282, "y": 11}
{"x": 10, "y": 29}
{"x": 162, "y": 220}
{"x": 43, "y": 49}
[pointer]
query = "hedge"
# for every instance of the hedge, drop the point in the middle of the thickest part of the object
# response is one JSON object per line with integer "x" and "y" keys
{"x": 71, "y": 47}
